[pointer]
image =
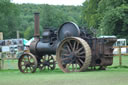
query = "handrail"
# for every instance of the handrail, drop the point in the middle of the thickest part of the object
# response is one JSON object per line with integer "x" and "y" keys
{"x": 120, "y": 46}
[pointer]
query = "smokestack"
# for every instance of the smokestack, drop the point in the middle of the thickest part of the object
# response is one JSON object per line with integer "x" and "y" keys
{"x": 36, "y": 30}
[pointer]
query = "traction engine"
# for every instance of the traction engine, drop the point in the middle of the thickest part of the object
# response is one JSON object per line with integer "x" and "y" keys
{"x": 75, "y": 49}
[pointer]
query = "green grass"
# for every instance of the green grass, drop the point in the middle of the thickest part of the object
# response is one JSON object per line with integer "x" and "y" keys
{"x": 111, "y": 76}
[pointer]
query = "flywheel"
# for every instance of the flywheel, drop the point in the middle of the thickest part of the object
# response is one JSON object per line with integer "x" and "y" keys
{"x": 73, "y": 55}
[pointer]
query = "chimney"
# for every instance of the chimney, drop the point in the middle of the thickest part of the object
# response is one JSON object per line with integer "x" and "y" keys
{"x": 36, "y": 29}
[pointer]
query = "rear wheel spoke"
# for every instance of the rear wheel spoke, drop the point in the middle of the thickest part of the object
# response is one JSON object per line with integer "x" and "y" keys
{"x": 63, "y": 59}
{"x": 74, "y": 46}
{"x": 64, "y": 50}
{"x": 65, "y": 54}
{"x": 79, "y": 49}
{"x": 69, "y": 50}
{"x": 81, "y": 56}
{"x": 81, "y": 61}
{"x": 70, "y": 45}
{"x": 81, "y": 53}
{"x": 77, "y": 45}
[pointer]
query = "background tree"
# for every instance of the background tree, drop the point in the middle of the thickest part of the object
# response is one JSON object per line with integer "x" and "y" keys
{"x": 51, "y": 16}
{"x": 20, "y": 17}
{"x": 90, "y": 14}
{"x": 9, "y": 19}
{"x": 114, "y": 17}
{"x": 108, "y": 16}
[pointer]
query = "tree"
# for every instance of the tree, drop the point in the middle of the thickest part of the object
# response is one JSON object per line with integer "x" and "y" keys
{"x": 90, "y": 14}
{"x": 51, "y": 16}
{"x": 8, "y": 18}
{"x": 108, "y": 16}
{"x": 115, "y": 22}
{"x": 28, "y": 33}
{"x": 114, "y": 17}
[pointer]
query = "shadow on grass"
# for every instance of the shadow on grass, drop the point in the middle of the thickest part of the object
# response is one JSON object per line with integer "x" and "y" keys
{"x": 43, "y": 72}
{"x": 49, "y": 71}
{"x": 58, "y": 71}
{"x": 118, "y": 67}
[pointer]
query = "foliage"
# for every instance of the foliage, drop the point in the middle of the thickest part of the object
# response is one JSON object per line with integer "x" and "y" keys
{"x": 20, "y": 17}
{"x": 8, "y": 18}
{"x": 28, "y": 32}
{"x": 51, "y": 16}
{"x": 108, "y": 16}
{"x": 115, "y": 22}
{"x": 90, "y": 13}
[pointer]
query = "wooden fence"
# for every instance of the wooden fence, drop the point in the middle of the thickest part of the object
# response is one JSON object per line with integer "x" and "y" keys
{"x": 6, "y": 56}
{"x": 120, "y": 54}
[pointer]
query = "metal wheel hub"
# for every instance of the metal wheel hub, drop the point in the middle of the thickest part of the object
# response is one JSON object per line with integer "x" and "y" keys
{"x": 47, "y": 62}
{"x": 73, "y": 57}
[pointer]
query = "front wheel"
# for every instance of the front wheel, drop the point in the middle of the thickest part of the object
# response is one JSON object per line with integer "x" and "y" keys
{"x": 27, "y": 63}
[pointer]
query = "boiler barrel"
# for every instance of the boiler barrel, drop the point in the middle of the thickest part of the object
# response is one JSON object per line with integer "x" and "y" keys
{"x": 46, "y": 48}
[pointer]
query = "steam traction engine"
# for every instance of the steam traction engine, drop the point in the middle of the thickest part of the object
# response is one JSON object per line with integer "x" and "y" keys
{"x": 75, "y": 50}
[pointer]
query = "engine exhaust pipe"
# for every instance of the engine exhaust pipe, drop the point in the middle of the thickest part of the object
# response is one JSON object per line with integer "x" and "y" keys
{"x": 36, "y": 29}
{"x": 36, "y": 34}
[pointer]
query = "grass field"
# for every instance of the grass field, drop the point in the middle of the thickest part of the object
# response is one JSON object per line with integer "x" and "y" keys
{"x": 114, "y": 75}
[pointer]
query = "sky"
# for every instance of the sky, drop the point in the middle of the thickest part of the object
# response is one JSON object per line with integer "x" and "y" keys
{"x": 51, "y": 2}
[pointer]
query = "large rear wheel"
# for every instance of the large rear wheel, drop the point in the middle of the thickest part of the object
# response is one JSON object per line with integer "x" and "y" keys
{"x": 73, "y": 55}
